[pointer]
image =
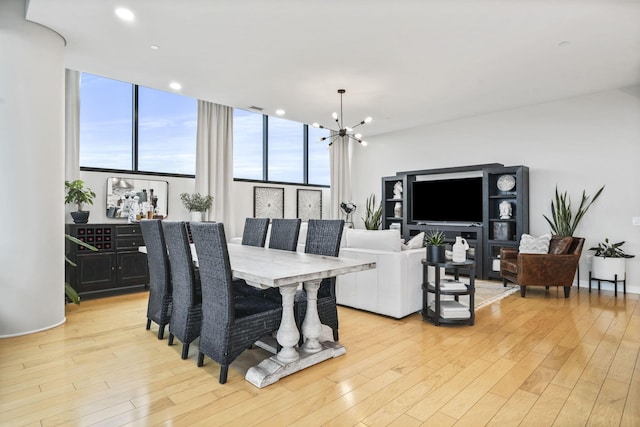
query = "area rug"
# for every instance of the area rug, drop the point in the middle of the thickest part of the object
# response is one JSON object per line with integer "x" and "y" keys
{"x": 487, "y": 292}
{"x": 490, "y": 292}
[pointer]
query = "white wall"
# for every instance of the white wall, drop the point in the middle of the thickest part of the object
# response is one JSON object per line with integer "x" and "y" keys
{"x": 242, "y": 195}
{"x": 31, "y": 169}
{"x": 577, "y": 144}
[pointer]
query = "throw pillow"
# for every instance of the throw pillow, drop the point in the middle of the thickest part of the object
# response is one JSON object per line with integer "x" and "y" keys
{"x": 559, "y": 245}
{"x": 534, "y": 245}
{"x": 416, "y": 242}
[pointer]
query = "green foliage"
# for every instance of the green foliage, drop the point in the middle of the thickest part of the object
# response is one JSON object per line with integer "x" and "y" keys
{"x": 610, "y": 250}
{"x": 434, "y": 238}
{"x": 77, "y": 194}
{"x": 563, "y": 220}
{"x": 373, "y": 216}
{"x": 196, "y": 202}
{"x": 68, "y": 289}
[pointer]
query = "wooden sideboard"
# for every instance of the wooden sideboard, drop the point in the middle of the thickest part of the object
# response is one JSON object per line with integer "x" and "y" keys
{"x": 117, "y": 266}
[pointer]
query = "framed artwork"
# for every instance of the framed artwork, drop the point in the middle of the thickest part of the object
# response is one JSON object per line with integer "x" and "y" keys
{"x": 309, "y": 204}
{"x": 268, "y": 202}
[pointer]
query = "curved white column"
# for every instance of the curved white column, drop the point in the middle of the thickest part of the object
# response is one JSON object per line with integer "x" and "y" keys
{"x": 31, "y": 174}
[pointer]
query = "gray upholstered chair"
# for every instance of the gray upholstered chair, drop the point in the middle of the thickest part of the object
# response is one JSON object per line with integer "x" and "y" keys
{"x": 159, "y": 305}
{"x": 230, "y": 323}
{"x": 323, "y": 238}
{"x": 255, "y": 231}
{"x": 186, "y": 313}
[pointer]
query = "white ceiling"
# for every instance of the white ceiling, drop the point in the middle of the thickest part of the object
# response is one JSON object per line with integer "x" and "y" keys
{"x": 406, "y": 62}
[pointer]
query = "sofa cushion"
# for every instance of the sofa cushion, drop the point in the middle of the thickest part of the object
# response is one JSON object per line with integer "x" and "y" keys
{"x": 384, "y": 240}
{"x": 534, "y": 245}
{"x": 559, "y": 245}
{"x": 416, "y": 242}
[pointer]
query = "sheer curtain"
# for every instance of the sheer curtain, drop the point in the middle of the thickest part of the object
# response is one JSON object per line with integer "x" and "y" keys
{"x": 71, "y": 125}
{"x": 214, "y": 161}
{"x": 340, "y": 168}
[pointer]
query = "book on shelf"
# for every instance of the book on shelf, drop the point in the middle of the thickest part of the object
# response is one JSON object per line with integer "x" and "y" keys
{"x": 451, "y": 310}
{"x": 450, "y": 285}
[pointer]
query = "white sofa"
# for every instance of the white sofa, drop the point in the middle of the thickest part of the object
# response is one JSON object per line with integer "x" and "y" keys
{"x": 394, "y": 287}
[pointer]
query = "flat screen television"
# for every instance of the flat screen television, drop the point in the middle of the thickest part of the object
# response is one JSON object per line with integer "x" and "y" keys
{"x": 447, "y": 200}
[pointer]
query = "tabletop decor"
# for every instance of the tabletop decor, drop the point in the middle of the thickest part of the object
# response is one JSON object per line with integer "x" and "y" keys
{"x": 348, "y": 208}
{"x": 197, "y": 204}
{"x": 78, "y": 195}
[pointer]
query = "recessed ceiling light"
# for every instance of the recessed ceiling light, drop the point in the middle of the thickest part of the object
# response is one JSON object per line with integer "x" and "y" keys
{"x": 280, "y": 112}
{"x": 175, "y": 85}
{"x": 563, "y": 43}
{"x": 125, "y": 14}
{"x": 155, "y": 47}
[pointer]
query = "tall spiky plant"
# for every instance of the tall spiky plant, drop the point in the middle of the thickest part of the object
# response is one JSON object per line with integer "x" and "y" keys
{"x": 373, "y": 216}
{"x": 563, "y": 220}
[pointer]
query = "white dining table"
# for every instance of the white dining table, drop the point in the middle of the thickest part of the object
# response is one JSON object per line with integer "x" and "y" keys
{"x": 285, "y": 270}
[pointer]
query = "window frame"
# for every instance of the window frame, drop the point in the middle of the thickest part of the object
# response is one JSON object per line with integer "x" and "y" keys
{"x": 265, "y": 159}
{"x": 135, "y": 143}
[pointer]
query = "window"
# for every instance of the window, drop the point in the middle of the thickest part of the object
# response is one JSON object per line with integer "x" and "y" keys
{"x": 158, "y": 136}
{"x": 106, "y": 123}
{"x": 286, "y": 151}
{"x": 247, "y": 145}
{"x": 282, "y": 143}
{"x": 167, "y": 125}
{"x": 318, "y": 157}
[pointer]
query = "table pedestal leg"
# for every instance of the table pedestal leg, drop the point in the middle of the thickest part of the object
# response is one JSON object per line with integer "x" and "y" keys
{"x": 311, "y": 326}
{"x": 288, "y": 334}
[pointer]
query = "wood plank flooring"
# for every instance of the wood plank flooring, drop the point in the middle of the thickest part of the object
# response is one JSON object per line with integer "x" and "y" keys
{"x": 541, "y": 360}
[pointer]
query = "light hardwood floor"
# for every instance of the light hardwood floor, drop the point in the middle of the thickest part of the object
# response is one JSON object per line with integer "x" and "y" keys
{"x": 540, "y": 360}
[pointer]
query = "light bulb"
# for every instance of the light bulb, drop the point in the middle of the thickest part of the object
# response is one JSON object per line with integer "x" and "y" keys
{"x": 316, "y": 125}
{"x": 368, "y": 119}
{"x": 348, "y": 129}
{"x": 335, "y": 116}
{"x": 125, "y": 14}
{"x": 365, "y": 143}
{"x": 358, "y": 135}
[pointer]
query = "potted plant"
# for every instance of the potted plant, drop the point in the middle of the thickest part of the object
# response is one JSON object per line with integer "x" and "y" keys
{"x": 373, "y": 215}
{"x": 609, "y": 261}
{"x": 435, "y": 243}
{"x": 197, "y": 204}
{"x": 68, "y": 289}
{"x": 78, "y": 195}
{"x": 563, "y": 220}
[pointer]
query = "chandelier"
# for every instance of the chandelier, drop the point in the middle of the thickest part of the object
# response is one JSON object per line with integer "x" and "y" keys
{"x": 342, "y": 130}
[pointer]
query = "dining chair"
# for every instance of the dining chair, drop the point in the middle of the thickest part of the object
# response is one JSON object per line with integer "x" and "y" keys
{"x": 284, "y": 234}
{"x": 255, "y": 231}
{"x": 323, "y": 238}
{"x": 186, "y": 313}
{"x": 159, "y": 305}
{"x": 254, "y": 234}
{"x": 230, "y": 323}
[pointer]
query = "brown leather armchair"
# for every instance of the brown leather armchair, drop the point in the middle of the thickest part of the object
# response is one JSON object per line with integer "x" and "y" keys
{"x": 557, "y": 268}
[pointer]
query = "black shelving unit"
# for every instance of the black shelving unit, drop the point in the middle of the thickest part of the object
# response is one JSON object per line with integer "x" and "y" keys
{"x": 481, "y": 237}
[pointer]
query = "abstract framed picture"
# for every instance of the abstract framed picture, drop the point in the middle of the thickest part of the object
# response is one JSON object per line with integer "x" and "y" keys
{"x": 268, "y": 202}
{"x": 309, "y": 204}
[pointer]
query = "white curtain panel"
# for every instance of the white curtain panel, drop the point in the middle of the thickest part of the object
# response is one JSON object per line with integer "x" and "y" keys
{"x": 340, "y": 168}
{"x": 71, "y": 125}
{"x": 214, "y": 161}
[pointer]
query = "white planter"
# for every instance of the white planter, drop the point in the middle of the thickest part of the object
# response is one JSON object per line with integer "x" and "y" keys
{"x": 196, "y": 216}
{"x": 606, "y": 268}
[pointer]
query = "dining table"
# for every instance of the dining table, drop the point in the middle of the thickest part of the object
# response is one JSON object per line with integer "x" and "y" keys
{"x": 287, "y": 270}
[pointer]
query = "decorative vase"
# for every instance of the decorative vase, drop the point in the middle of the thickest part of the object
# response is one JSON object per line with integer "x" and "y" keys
{"x": 397, "y": 210}
{"x": 196, "y": 216}
{"x": 435, "y": 253}
{"x": 460, "y": 250}
{"x": 606, "y": 268}
{"x": 80, "y": 217}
